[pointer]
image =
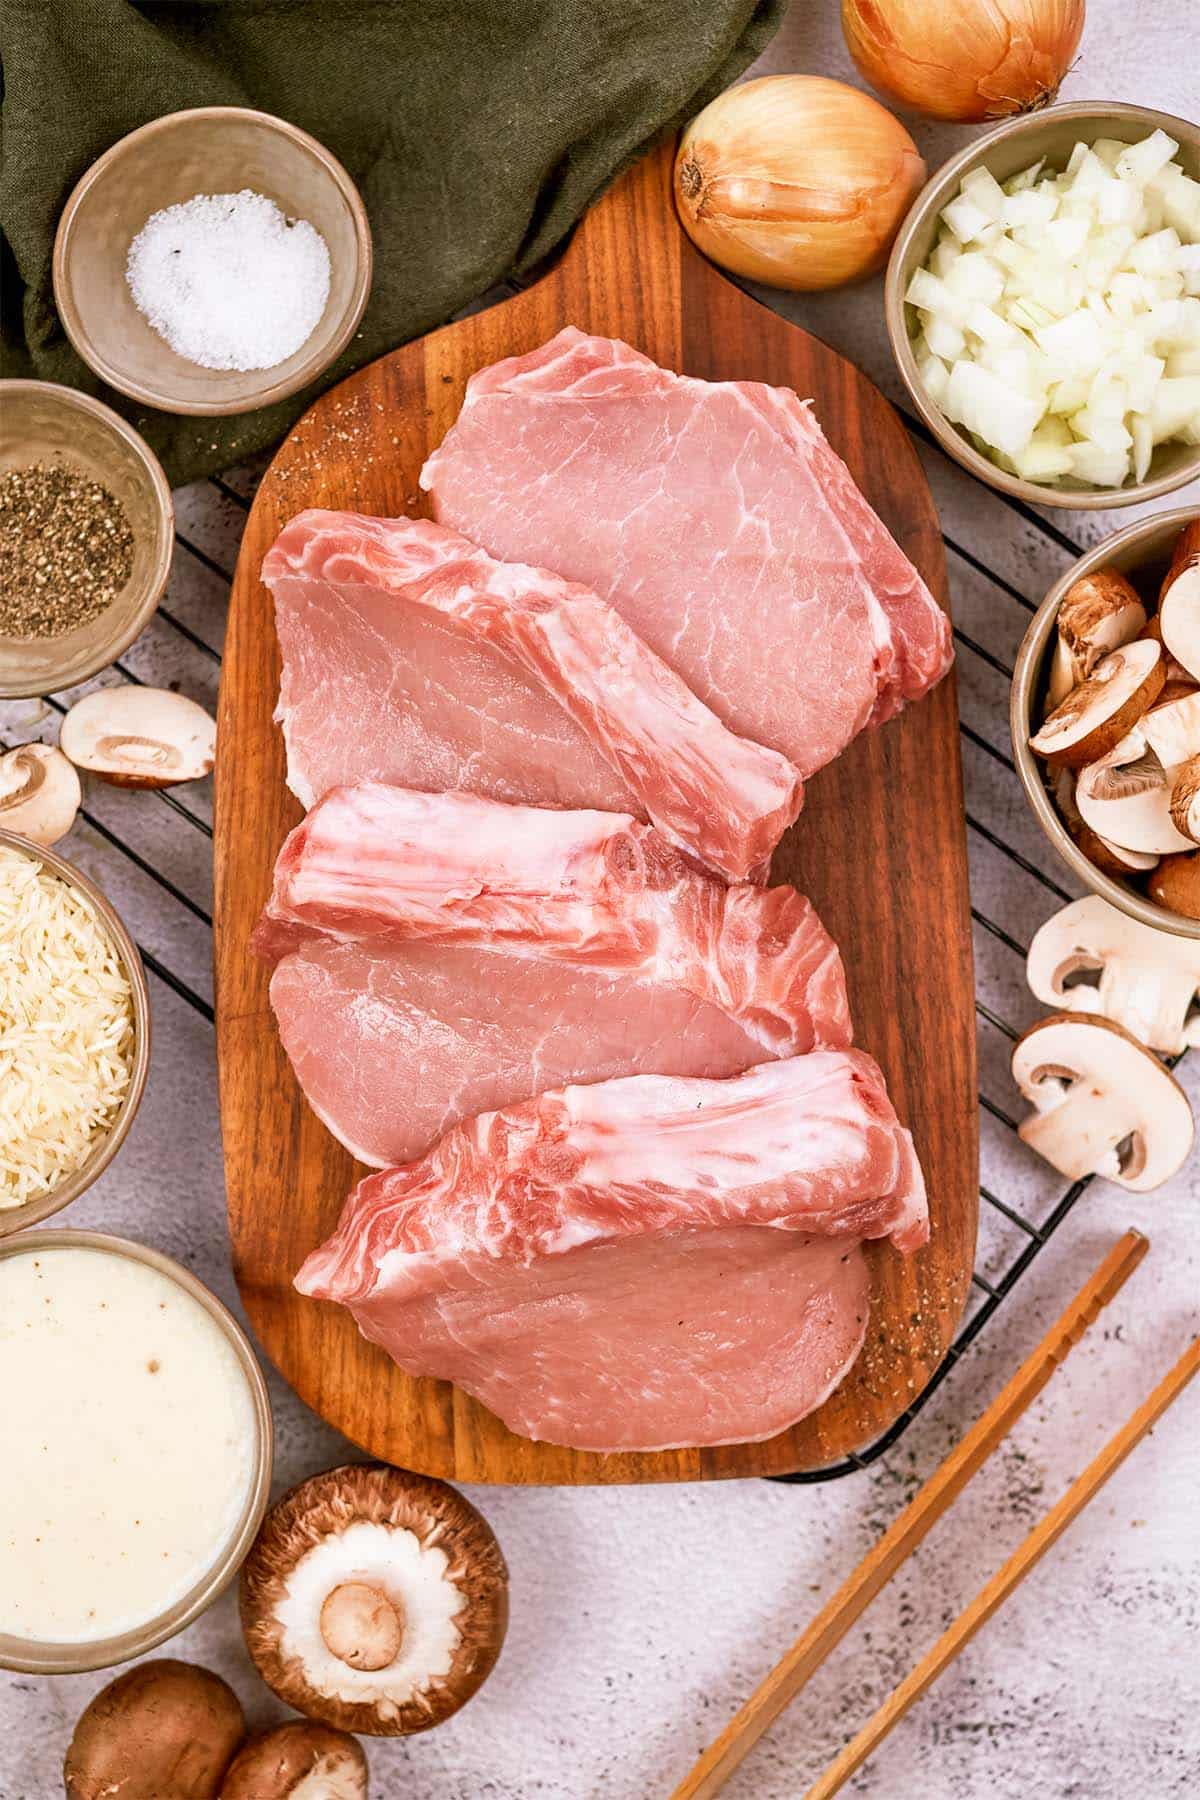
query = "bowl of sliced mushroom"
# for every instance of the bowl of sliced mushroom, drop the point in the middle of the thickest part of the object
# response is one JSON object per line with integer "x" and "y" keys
{"x": 1105, "y": 720}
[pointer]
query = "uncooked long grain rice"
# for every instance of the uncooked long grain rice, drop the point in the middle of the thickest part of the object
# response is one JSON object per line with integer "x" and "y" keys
{"x": 66, "y": 1029}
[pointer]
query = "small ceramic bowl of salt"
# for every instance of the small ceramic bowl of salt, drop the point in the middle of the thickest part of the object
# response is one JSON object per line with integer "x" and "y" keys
{"x": 213, "y": 261}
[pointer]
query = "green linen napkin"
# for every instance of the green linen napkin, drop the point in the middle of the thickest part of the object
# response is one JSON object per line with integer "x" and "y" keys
{"x": 477, "y": 132}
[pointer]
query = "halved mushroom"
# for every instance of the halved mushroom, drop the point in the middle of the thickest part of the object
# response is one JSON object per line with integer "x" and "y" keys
{"x": 39, "y": 793}
{"x": 1177, "y": 678}
{"x": 1179, "y": 601}
{"x": 139, "y": 736}
{"x": 1185, "y": 799}
{"x": 1104, "y": 1104}
{"x": 1095, "y": 717}
{"x": 1112, "y": 858}
{"x": 1126, "y": 799}
{"x": 299, "y": 1761}
{"x": 1172, "y": 728}
{"x": 1175, "y": 884}
{"x": 1099, "y": 613}
{"x": 374, "y": 1600}
{"x": 163, "y": 1731}
{"x": 1090, "y": 958}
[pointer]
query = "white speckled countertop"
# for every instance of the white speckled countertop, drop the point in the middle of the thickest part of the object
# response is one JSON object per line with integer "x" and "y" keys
{"x": 642, "y": 1617}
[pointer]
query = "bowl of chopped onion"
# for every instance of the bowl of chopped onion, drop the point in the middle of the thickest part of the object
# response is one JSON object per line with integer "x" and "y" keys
{"x": 74, "y": 1032}
{"x": 1043, "y": 304}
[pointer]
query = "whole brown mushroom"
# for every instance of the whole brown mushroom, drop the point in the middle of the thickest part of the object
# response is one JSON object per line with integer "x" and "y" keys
{"x": 1175, "y": 884}
{"x": 299, "y": 1761}
{"x": 165, "y": 1730}
{"x": 374, "y": 1600}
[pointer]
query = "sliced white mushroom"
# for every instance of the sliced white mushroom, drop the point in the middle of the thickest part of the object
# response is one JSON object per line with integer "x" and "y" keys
{"x": 1099, "y": 613}
{"x": 1126, "y": 799}
{"x": 1175, "y": 884}
{"x": 1097, "y": 715}
{"x": 1185, "y": 799}
{"x": 1104, "y": 1104}
{"x": 1091, "y": 958}
{"x": 39, "y": 793}
{"x": 1172, "y": 729}
{"x": 139, "y": 736}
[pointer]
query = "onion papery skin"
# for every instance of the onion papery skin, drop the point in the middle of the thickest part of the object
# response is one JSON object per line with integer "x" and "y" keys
{"x": 796, "y": 181}
{"x": 966, "y": 60}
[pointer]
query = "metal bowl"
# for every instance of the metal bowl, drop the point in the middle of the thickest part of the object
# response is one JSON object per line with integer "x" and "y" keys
{"x": 42, "y": 422}
{"x": 1011, "y": 147}
{"x": 208, "y": 150}
{"x": 1142, "y": 552}
{"x": 32, "y": 1212}
{"x": 39, "y": 1656}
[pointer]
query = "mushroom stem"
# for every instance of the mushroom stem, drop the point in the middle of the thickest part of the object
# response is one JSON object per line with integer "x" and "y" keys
{"x": 361, "y": 1626}
{"x": 1079, "y": 1137}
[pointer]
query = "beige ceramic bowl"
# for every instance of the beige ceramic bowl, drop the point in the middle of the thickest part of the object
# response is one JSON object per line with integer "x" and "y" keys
{"x": 211, "y": 150}
{"x": 39, "y": 1656}
{"x": 16, "y": 1218}
{"x": 1011, "y": 147}
{"x": 42, "y": 422}
{"x": 1141, "y": 552}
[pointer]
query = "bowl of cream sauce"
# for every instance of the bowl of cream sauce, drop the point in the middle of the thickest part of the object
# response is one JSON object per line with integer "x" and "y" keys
{"x": 137, "y": 1450}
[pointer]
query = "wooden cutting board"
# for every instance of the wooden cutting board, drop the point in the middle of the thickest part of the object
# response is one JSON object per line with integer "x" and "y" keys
{"x": 880, "y": 848}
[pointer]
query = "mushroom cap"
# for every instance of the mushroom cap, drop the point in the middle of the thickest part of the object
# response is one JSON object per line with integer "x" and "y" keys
{"x": 1112, "y": 858}
{"x": 298, "y": 1761}
{"x": 1104, "y": 1103}
{"x": 414, "y": 1539}
{"x": 139, "y": 736}
{"x": 164, "y": 1730}
{"x": 39, "y": 793}
{"x": 1094, "y": 717}
{"x": 1175, "y": 884}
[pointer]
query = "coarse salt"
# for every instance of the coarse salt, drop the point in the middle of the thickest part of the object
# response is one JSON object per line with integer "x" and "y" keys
{"x": 229, "y": 280}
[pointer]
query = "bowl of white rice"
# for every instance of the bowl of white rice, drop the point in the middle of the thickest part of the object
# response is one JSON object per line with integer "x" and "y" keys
{"x": 74, "y": 1033}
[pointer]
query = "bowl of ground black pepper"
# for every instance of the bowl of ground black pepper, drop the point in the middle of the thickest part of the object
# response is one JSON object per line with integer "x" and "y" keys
{"x": 86, "y": 534}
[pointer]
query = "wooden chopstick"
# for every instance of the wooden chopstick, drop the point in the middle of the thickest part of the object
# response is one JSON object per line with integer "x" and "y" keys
{"x": 996, "y": 1591}
{"x": 709, "y": 1775}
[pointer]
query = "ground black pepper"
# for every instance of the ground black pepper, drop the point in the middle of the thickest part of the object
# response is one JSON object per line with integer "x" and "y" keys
{"x": 66, "y": 550}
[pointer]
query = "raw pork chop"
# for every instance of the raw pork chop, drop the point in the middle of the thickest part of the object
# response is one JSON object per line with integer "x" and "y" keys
{"x": 715, "y": 518}
{"x": 642, "y": 1263}
{"x": 442, "y": 956}
{"x": 409, "y": 655}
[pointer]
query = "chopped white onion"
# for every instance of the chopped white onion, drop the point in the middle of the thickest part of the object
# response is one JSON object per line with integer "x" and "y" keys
{"x": 1059, "y": 313}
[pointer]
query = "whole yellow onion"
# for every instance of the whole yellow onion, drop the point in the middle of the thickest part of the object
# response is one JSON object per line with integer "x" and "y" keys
{"x": 964, "y": 59}
{"x": 796, "y": 181}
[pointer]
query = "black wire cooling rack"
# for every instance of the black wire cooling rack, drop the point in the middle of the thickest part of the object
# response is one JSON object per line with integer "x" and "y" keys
{"x": 179, "y": 817}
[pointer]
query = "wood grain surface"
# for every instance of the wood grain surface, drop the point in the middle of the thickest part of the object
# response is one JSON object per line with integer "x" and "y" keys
{"x": 880, "y": 847}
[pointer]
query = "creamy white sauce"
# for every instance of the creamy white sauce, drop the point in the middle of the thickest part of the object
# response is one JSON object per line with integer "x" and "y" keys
{"x": 127, "y": 1438}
